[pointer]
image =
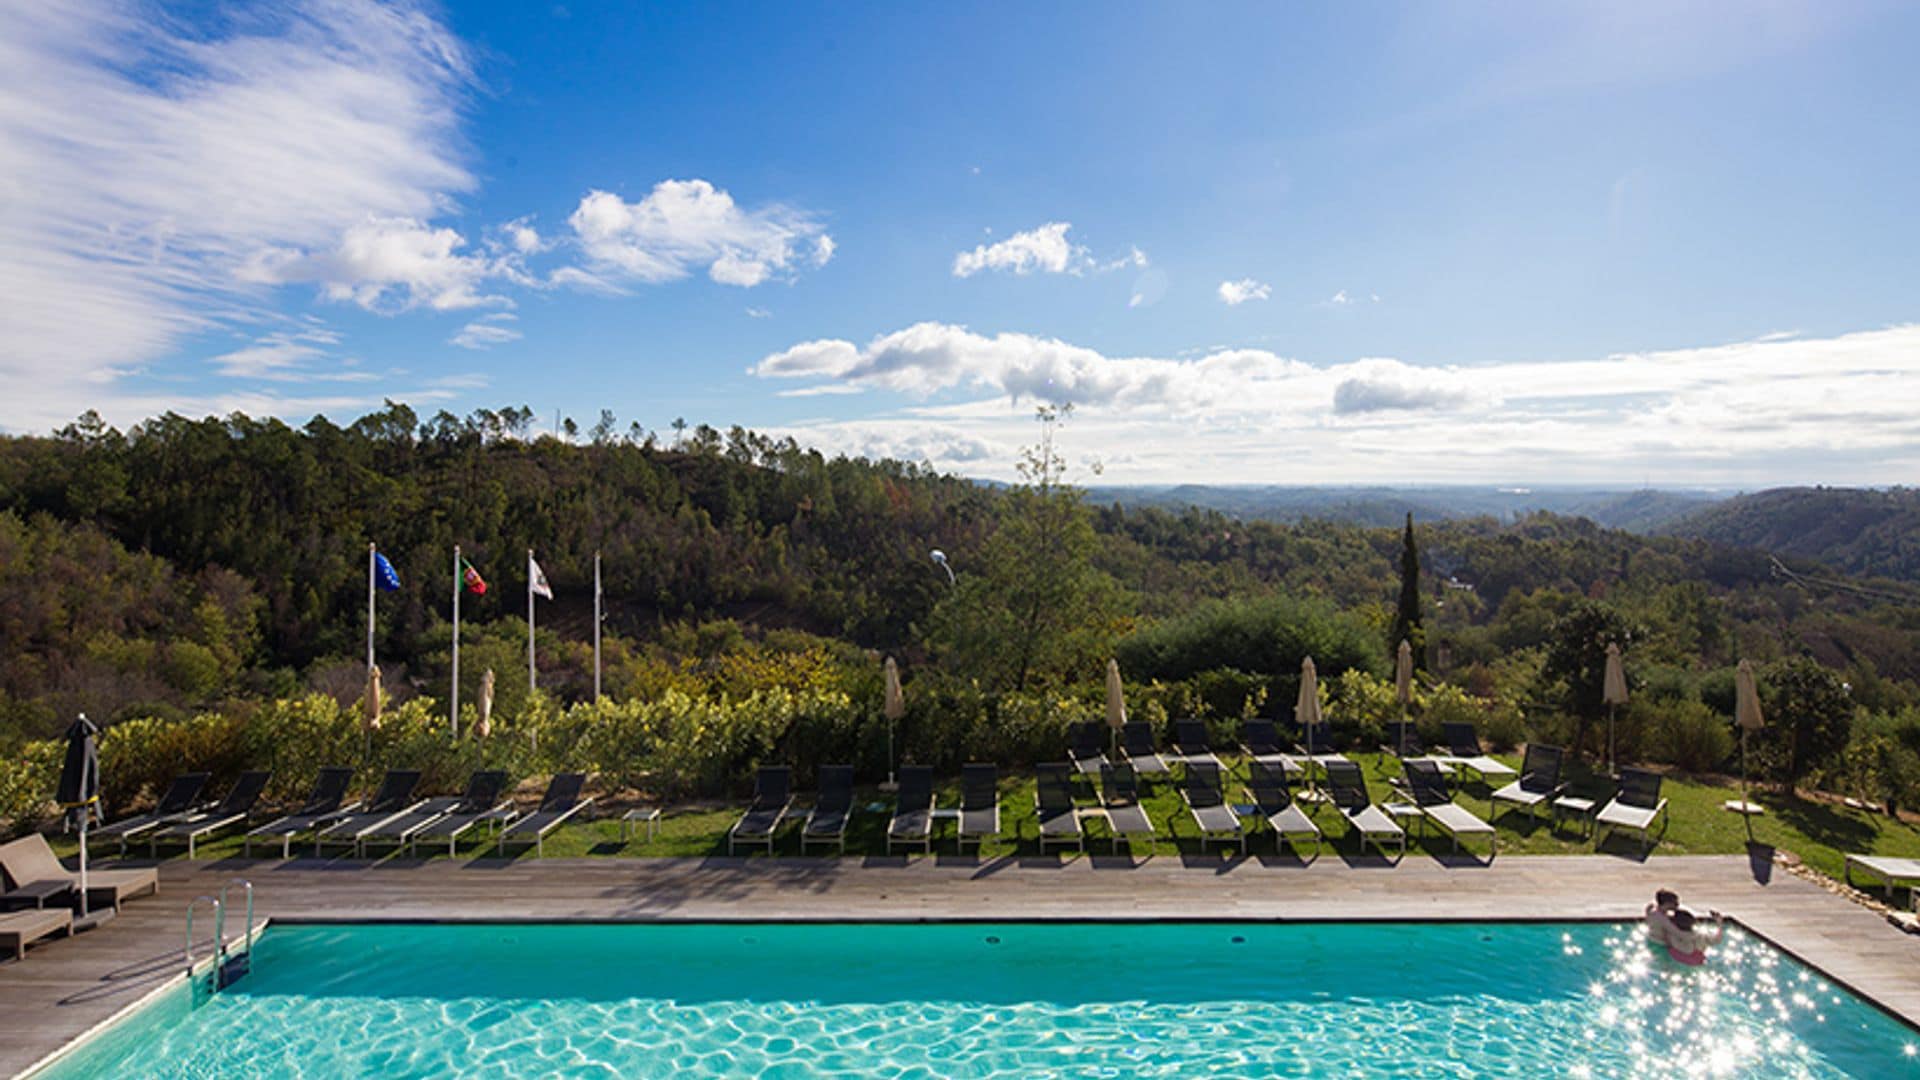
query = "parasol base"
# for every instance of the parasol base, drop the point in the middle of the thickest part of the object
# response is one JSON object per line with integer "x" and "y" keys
{"x": 1740, "y": 807}
{"x": 92, "y": 919}
{"x": 889, "y": 786}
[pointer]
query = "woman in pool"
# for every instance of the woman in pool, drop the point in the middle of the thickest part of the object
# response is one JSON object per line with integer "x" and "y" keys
{"x": 1687, "y": 939}
{"x": 1660, "y": 915}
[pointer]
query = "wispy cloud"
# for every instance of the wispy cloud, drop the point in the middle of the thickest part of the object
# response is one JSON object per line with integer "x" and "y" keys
{"x": 486, "y": 332}
{"x": 1045, "y": 250}
{"x": 1235, "y": 293}
{"x": 147, "y": 168}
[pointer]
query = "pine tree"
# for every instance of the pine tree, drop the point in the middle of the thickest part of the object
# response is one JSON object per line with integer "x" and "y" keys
{"x": 1406, "y": 619}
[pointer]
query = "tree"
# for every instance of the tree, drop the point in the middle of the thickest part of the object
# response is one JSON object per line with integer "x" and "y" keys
{"x": 1577, "y": 660}
{"x": 1406, "y": 619}
{"x": 1034, "y": 608}
{"x": 1809, "y": 715}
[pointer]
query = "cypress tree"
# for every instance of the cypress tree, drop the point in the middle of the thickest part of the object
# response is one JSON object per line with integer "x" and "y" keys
{"x": 1406, "y": 619}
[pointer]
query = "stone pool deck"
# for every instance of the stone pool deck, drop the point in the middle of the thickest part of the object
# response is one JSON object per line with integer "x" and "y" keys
{"x": 65, "y": 987}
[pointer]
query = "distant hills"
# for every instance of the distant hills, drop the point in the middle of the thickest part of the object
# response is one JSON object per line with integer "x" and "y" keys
{"x": 1861, "y": 531}
{"x": 1644, "y": 511}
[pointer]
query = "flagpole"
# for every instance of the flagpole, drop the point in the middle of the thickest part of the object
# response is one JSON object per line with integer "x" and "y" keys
{"x": 456, "y": 641}
{"x": 370, "y": 551}
{"x": 596, "y": 626}
{"x": 533, "y": 673}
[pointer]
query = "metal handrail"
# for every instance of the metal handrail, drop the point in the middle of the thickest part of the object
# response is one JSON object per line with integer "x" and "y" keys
{"x": 219, "y": 915}
{"x": 246, "y": 934}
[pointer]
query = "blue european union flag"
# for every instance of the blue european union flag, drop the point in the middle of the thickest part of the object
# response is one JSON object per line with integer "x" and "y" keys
{"x": 384, "y": 575}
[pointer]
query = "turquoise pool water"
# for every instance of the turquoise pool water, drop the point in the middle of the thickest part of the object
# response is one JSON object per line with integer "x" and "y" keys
{"x": 1030, "y": 1000}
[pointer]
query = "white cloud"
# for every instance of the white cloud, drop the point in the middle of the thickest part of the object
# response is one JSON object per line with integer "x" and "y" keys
{"x": 386, "y": 265}
{"x": 1235, "y": 293}
{"x": 290, "y": 356}
{"x": 759, "y": 313}
{"x": 486, "y": 332}
{"x": 144, "y": 168}
{"x": 1751, "y": 413}
{"x": 683, "y": 226}
{"x": 1339, "y": 299}
{"x": 523, "y": 237}
{"x": 1045, "y": 249}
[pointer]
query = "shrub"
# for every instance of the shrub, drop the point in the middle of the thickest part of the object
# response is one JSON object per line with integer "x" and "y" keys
{"x": 1690, "y": 735}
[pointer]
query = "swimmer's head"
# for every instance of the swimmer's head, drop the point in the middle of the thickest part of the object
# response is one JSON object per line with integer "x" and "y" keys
{"x": 1666, "y": 899}
{"x": 1683, "y": 919}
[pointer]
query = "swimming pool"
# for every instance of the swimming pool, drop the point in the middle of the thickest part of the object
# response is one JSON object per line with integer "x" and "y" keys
{"x": 988, "y": 999}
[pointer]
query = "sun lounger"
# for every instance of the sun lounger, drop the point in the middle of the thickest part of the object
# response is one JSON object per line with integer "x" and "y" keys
{"x": 1635, "y": 807}
{"x": 1089, "y": 747}
{"x": 29, "y": 864}
{"x": 1463, "y": 752}
{"x": 1207, "y": 803}
{"x": 1272, "y": 798}
{"x": 1194, "y": 746}
{"x": 484, "y": 801}
{"x": 832, "y": 807}
{"x": 1136, "y": 741}
{"x": 1428, "y": 789}
{"x": 394, "y": 798}
{"x": 22, "y": 928}
{"x": 979, "y": 804}
{"x": 1539, "y": 782}
{"x": 1894, "y": 873}
{"x": 1053, "y": 803}
{"x": 1120, "y": 798}
{"x": 180, "y": 799}
{"x": 912, "y": 821}
{"x": 1260, "y": 741}
{"x": 1316, "y": 745}
{"x": 772, "y": 796}
{"x": 325, "y": 805}
{"x": 232, "y": 812}
{"x": 557, "y": 807}
{"x": 1348, "y": 790}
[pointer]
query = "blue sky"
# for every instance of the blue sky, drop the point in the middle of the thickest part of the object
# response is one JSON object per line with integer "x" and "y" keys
{"x": 1264, "y": 243}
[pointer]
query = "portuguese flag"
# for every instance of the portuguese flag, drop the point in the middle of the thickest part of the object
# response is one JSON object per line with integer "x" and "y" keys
{"x": 476, "y": 584}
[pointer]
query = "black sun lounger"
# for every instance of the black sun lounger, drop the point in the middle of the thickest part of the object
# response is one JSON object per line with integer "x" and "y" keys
{"x": 324, "y": 806}
{"x": 1348, "y": 790}
{"x": 1429, "y": 789}
{"x": 979, "y": 804}
{"x": 394, "y": 798}
{"x": 1463, "y": 750}
{"x": 448, "y": 816}
{"x": 772, "y": 796}
{"x": 1272, "y": 798}
{"x": 179, "y": 800}
{"x": 1635, "y": 807}
{"x": 1191, "y": 742}
{"x": 231, "y": 813}
{"x": 1053, "y": 802}
{"x": 1539, "y": 782}
{"x": 1208, "y": 805}
{"x": 912, "y": 821}
{"x": 1136, "y": 740}
{"x": 832, "y": 807}
{"x": 561, "y": 802}
{"x": 1120, "y": 799}
{"x": 1260, "y": 741}
{"x": 1088, "y": 747}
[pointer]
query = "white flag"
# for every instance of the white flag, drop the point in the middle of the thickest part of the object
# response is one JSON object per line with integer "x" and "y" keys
{"x": 537, "y": 581}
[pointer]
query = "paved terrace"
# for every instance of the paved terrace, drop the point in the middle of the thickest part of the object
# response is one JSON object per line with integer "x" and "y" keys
{"x": 65, "y": 987}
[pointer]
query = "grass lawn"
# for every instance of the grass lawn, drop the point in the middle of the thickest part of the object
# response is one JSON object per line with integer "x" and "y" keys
{"x": 1819, "y": 832}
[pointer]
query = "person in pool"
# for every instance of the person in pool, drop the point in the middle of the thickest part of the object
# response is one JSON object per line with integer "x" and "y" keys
{"x": 1687, "y": 939}
{"x": 1660, "y": 915}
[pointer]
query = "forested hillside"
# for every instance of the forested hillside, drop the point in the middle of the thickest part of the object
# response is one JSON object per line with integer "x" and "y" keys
{"x": 1859, "y": 531}
{"x": 188, "y": 566}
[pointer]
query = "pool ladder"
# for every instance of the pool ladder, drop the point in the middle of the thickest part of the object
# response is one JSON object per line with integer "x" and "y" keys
{"x": 228, "y": 964}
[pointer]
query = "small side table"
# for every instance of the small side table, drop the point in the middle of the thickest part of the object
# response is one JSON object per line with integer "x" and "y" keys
{"x": 650, "y": 815}
{"x": 1568, "y": 805}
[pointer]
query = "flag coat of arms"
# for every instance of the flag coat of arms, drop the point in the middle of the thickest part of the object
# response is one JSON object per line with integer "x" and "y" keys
{"x": 476, "y": 584}
{"x": 537, "y": 581}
